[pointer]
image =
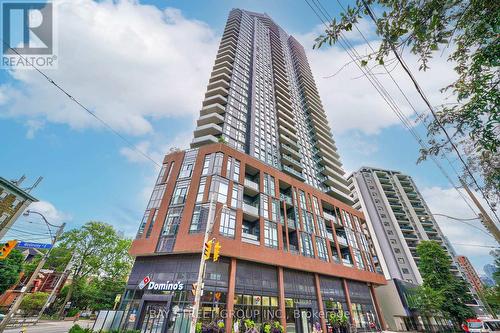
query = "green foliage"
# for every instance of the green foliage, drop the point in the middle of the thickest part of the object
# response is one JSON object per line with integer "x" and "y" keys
{"x": 441, "y": 290}
{"x": 10, "y": 268}
{"x": 101, "y": 265}
{"x": 33, "y": 303}
{"x": 338, "y": 319}
{"x": 273, "y": 327}
{"x": 468, "y": 32}
{"x": 29, "y": 267}
{"x": 78, "y": 329}
{"x": 428, "y": 301}
{"x": 72, "y": 312}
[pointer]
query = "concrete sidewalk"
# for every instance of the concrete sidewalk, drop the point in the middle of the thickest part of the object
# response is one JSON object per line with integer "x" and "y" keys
{"x": 45, "y": 326}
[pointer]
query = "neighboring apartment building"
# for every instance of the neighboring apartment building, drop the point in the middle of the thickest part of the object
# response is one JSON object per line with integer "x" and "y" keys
{"x": 262, "y": 100}
{"x": 398, "y": 219}
{"x": 470, "y": 273}
{"x": 293, "y": 247}
{"x": 13, "y": 201}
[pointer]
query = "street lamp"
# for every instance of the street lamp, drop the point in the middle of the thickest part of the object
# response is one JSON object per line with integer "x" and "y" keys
{"x": 30, "y": 282}
{"x": 28, "y": 212}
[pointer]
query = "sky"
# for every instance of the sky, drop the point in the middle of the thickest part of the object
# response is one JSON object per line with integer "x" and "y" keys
{"x": 143, "y": 67}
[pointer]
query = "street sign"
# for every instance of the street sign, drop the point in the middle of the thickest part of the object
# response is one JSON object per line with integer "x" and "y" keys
{"x": 31, "y": 245}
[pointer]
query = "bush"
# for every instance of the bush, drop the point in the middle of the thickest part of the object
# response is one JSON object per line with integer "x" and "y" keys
{"x": 33, "y": 303}
{"x": 79, "y": 329}
{"x": 72, "y": 312}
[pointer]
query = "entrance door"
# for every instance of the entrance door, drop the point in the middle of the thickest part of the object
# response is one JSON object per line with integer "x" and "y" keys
{"x": 305, "y": 320}
{"x": 155, "y": 317}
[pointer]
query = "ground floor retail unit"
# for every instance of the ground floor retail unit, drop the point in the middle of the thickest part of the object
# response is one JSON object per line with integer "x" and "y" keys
{"x": 235, "y": 290}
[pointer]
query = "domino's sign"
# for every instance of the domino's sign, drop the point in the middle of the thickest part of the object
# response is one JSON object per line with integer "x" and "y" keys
{"x": 167, "y": 286}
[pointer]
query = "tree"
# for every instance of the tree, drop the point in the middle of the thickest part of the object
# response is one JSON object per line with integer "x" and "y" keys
{"x": 492, "y": 294}
{"x": 434, "y": 266}
{"x": 10, "y": 268}
{"x": 98, "y": 253}
{"x": 33, "y": 303}
{"x": 428, "y": 301}
{"x": 469, "y": 31}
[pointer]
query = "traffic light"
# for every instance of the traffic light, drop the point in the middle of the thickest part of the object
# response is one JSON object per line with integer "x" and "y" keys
{"x": 208, "y": 249}
{"x": 216, "y": 251}
{"x": 6, "y": 248}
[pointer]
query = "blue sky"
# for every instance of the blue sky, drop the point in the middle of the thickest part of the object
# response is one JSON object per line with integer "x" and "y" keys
{"x": 143, "y": 68}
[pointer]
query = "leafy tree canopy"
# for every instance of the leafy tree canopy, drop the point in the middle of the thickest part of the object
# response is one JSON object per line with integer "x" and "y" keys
{"x": 100, "y": 265}
{"x": 434, "y": 266}
{"x": 33, "y": 303}
{"x": 10, "y": 268}
{"x": 468, "y": 30}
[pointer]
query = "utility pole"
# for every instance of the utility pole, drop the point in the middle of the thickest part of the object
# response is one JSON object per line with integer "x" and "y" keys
{"x": 28, "y": 286}
{"x": 485, "y": 218}
{"x": 201, "y": 270}
{"x": 51, "y": 298}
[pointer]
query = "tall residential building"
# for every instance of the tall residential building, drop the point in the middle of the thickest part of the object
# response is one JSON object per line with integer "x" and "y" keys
{"x": 262, "y": 100}
{"x": 398, "y": 219}
{"x": 13, "y": 201}
{"x": 470, "y": 273}
{"x": 289, "y": 251}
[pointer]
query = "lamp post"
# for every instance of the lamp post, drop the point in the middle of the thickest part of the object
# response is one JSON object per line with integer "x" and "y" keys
{"x": 201, "y": 271}
{"x": 30, "y": 282}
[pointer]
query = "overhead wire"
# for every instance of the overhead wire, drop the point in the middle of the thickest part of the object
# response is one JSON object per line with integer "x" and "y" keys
{"x": 439, "y": 123}
{"x": 83, "y": 107}
{"x": 351, "y": 51}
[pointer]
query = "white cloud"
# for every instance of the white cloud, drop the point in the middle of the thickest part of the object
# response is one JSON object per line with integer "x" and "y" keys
{"x": 51, "y": 213}
{"x": 129, "y": 63}
{"x": 448, "y": 201}
{"x": 156, "y": 150}
{"x": 351, "y": 102}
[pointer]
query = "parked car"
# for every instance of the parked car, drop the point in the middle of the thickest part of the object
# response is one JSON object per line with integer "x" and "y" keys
{"x": 482, "y": 326}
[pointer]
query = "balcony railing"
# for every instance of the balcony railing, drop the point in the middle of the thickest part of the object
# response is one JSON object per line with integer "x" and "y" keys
{"x": 250, "y": 238}
{"x": 286, "y": 198}
{"x": 250, "y": 183}
{"x": 250, "y": 209}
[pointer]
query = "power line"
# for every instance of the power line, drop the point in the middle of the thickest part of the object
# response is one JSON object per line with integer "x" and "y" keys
{"x": 345, "y": 44}
{"x": 456, "y": 218}
{"x": 427, "y": 102}
{"x": 72, "y": 98}
{"x": 476, "y": 245}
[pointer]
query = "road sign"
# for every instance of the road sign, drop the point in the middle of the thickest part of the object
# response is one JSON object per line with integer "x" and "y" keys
{"x": 31, "y": 245}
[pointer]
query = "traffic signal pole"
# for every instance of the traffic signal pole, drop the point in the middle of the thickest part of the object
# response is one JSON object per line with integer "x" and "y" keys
{"x": 201, "y": 270}
{"x": 32, "y": 279}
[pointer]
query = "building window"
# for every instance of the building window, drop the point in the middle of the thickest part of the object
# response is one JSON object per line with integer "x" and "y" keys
{"x": 201, "y": 189}
{"x": 307, "y": 247}
{"x": 227, "y": 223}
{"x": 161, "y": 175}
{"x": 302, "y": 200}
{"x": 236, "y": 196}
{"x": 358, "y": 258}
{"x": 321, "y": 246}
{"x": 269, "y": 185}
{"x": 220, "y": 188}
{"x": 151, "y": 224}
{"x": 401, "y": 260}
{"x": 156, "y": 196}
{"x": 405, "y": 270}
{"x": 172, "y": 221}
{"x": 199, "y": 219}
{"x": 322, "y": 228}
{"x": 206, "y": 165}
{"x": 393, "y": 241}
{"x": 397, "y": 250}
{"x": 180, "y": 193}
{"x": 275, "y": 213}
{"x": 271, "y": 234}
{"x": 233, "y": 169}
{"x": 144, "y": 221}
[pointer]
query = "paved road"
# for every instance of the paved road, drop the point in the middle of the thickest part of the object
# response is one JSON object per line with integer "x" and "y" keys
{"x": 51, "y": 327}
